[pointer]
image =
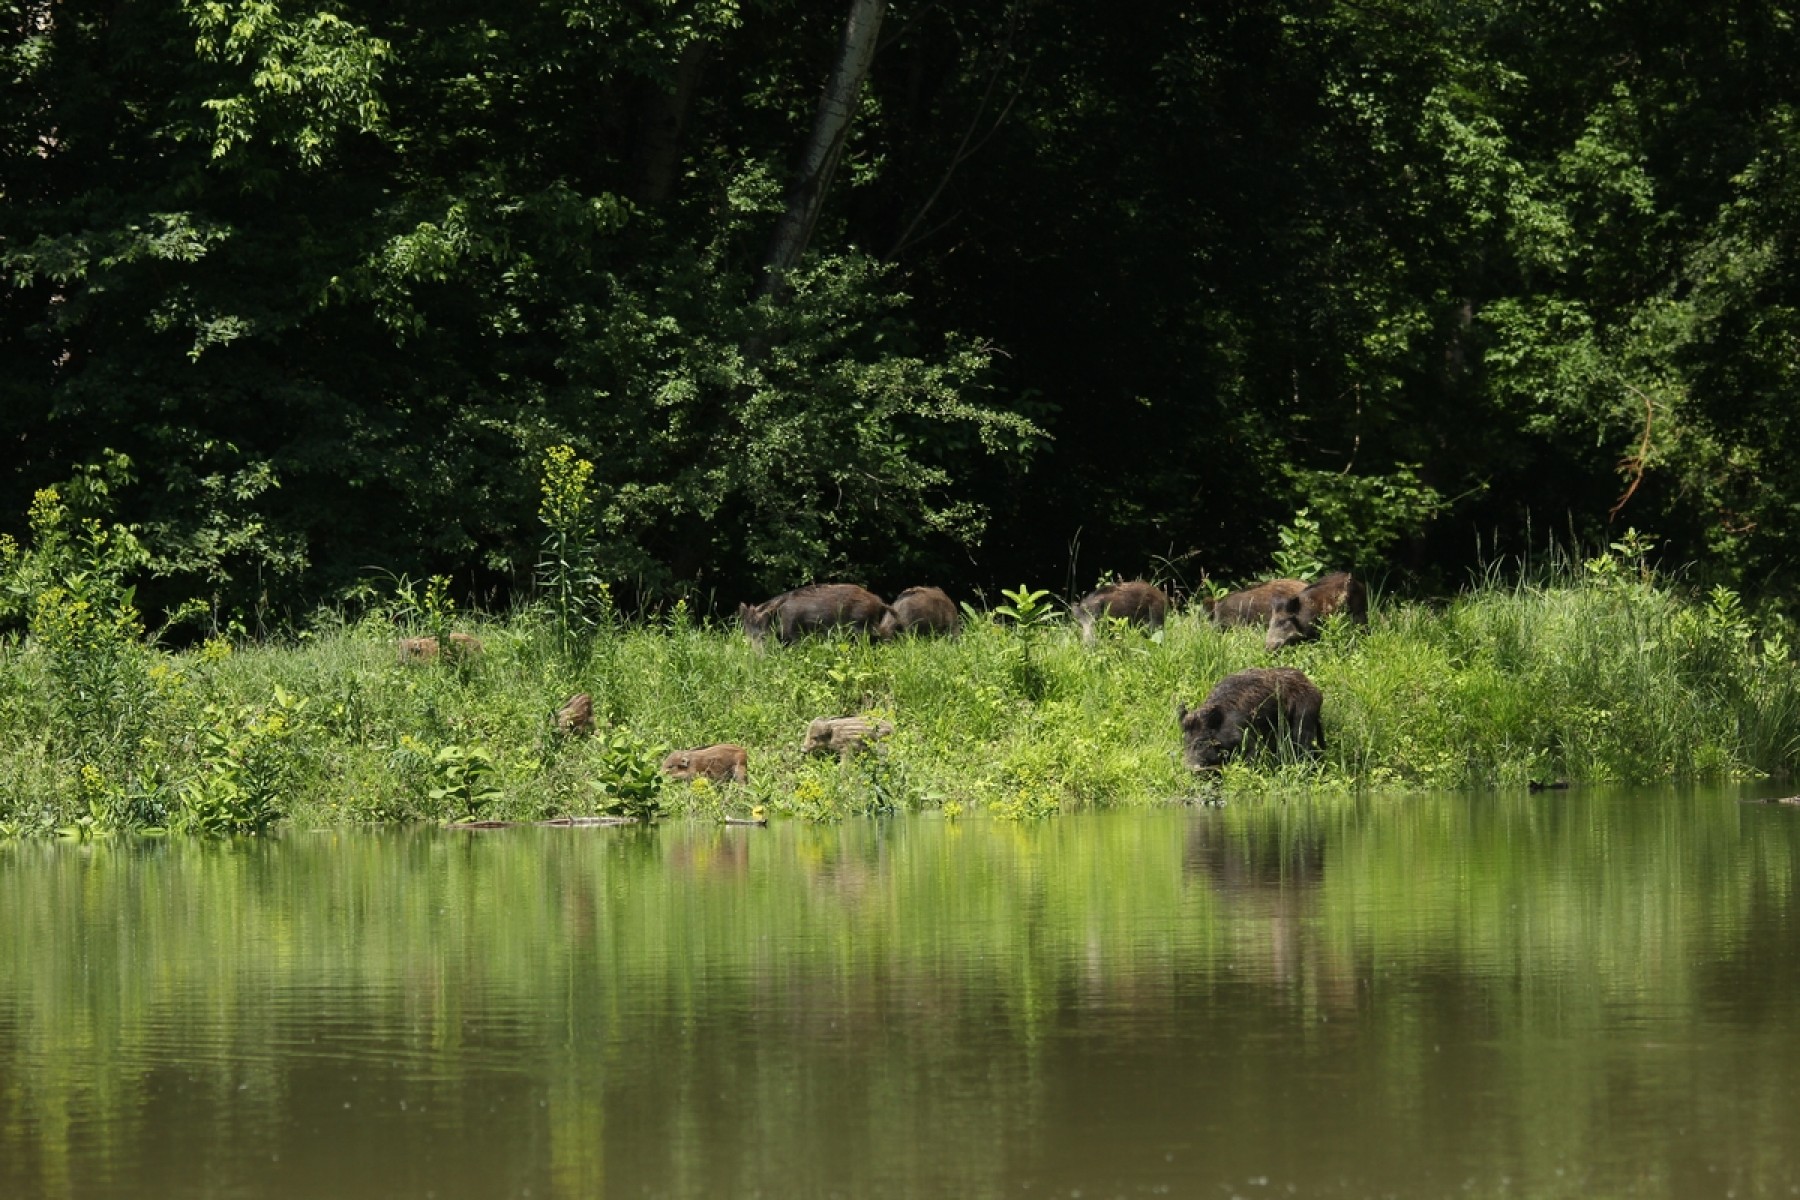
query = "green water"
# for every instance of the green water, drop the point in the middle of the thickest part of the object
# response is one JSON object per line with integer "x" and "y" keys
{"x": 1580, "y": 994}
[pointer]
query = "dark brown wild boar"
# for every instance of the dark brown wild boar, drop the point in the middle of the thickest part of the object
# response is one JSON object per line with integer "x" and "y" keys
{"x": 425, "y": 649}
{"x": 810, "y": 609}
{"x": 844, "y": 735}
{"x": 721, "y": 762}
{"x": 1252, "y": 605}
{"x": 1250, "y": 714}
{"x": 1296, "y": 619}
{"x": 919, "y": 610}
{"x": 1135, "y": 601}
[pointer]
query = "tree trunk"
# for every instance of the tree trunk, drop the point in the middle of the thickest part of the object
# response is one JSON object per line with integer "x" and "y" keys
{"x": 659, "y": 132}
{"x": 823, "y": 149}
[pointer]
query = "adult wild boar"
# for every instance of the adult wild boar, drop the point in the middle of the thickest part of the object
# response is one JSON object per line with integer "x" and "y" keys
{"x": 1296, "y": 619}
{"x": 1252, "y": 605}
{"x": 845, "y": 735}
{"x": 721, "y": 762}
{"x": 810, "y": 609}
{"x": 1135, "y": 601}
{"x": 919, "y": 610}
{"x": 1250, "y": 714}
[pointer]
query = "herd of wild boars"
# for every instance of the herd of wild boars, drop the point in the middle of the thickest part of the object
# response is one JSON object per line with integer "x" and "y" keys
{"x": 1290, "y": 609}
{"x": 1250, "y": 714}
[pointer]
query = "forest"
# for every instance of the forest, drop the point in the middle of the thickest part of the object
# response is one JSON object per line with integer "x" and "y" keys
{"x": 301, "y": 294}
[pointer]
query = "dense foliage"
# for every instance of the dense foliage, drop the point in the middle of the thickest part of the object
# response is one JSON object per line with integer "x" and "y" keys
{"x": 304, "y": 289}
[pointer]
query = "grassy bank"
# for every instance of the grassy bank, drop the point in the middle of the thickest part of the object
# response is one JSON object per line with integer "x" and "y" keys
{"x": 1601, "y": 677}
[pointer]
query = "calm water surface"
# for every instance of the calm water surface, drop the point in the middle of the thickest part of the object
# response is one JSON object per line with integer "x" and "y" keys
{"x": 1586, "y": 994}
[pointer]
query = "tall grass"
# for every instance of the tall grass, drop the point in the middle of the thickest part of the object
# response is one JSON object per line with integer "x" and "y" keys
{"x": 1598, "y": 676}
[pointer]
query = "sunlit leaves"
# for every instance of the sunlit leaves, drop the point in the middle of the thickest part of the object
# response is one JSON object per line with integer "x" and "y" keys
{"x": 312, "y": 78}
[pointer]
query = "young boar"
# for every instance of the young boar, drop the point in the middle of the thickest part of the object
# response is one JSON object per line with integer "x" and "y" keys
{"x": 1296, "y": 619}
{"x": 425, "y": 649}
{"x": 721, "y": 762}
{"x": 845, "y": 735}
{"x": 810, "y": 609}
{"x": 919, "y": 610}
{"x": 577, "y": 716}
{"x": 1136, "y": 601}
{"x": 1252, "y": 606}
{"x": 1250, "y": 714}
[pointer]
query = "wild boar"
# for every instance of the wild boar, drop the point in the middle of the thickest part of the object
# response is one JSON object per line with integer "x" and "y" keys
{"x": 1252, "y": 605}
{"x": 576, "y": 716}
{"x": 1250, "y": 714}
{"x": 1296, "y": 619}
{"x": 845, "y": 735}
{"x": 919, "y": 610}
{"x": 721, "y": 762}
{"x": 811, "y": 609}
{"x": 1135, "y": 601}
{"x": 425, "y": 649}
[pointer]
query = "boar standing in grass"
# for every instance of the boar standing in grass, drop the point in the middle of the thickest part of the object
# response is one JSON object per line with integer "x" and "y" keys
{"x": 844, "y": 735}
{"x": 919, "y": 610}
{"x": 577, "y": 716}
{"x": 813, "y": 608}
{"x": 1296, "y": 619}
{"x": 425, "y": 649}
{"x": 1253, "y": 605}
{"x": 1250, "y": 714}
{"x": 719, "y": 763}
{"x": 1135, "y": 601}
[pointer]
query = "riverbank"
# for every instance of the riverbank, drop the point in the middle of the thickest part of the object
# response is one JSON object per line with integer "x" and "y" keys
{"x": 1598, "y": 679}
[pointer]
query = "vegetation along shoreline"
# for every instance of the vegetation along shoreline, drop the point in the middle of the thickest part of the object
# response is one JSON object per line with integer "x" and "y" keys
{"x": 1601, "y": 673}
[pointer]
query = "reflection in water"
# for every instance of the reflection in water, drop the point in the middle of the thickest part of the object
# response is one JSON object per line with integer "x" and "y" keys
{"x": 1269, "y": 876}
{"x": 1592, "y": 993}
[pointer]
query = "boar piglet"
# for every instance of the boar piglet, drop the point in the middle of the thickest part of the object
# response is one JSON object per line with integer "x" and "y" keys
{"x": 810, "y": 609}
{"x": 425, "y": 649}
{"x": 576, "y": 716}
{"x": 843, "y": 735}
{"x": 919, "y": 610}
{"x": 1135, "y": 601}
{"x": 1296, "y": 619}
{"x": 721, "y": 762}
{"x": 1250, "y": 714}
{"x": 1252, "y": 605}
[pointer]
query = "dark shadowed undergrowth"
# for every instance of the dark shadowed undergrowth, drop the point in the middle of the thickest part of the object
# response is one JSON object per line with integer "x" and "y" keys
{"x": 1601, "y": 676}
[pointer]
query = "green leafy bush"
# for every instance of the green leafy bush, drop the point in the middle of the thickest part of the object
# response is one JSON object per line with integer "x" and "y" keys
{"x": 628, "y": 778}
{"x": 246, "y": 768}
{"x": 465, "y": 782}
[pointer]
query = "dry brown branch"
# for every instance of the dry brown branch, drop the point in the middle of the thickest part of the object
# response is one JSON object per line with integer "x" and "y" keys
{"x": 1634, "y": 464}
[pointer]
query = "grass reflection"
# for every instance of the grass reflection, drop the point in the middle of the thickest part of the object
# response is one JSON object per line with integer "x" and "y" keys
{"x": 1497, "y": 985}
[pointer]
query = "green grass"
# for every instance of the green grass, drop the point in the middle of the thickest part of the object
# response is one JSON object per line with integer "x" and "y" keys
{"x": 1601, "y": 679}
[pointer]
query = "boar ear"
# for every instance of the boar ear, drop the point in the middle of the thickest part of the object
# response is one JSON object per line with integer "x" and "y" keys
{"x": 1215, "y": 717}
{"x": 1291, "y": 606}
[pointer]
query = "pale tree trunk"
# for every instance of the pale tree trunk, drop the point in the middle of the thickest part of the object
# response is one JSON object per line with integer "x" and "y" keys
{"x": 826, "y": 145}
